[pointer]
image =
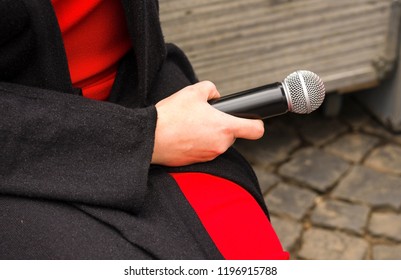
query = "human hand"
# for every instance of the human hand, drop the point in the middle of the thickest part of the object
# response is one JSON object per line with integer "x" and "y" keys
{"x": 190, "y": 130}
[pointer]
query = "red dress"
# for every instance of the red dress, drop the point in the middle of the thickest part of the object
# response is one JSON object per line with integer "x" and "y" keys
{"x": 95, "y": 38}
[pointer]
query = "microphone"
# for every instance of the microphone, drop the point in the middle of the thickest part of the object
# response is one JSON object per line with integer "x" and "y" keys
{"x": 300, "y": 92}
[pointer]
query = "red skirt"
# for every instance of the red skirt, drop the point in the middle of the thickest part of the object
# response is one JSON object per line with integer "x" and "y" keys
{"x": 232, "y": 217}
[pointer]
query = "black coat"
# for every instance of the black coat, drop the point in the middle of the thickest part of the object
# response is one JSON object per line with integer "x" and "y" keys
{"x": 75, "y": 175}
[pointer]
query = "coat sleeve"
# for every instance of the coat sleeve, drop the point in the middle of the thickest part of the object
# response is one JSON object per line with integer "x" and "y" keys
{"x": 64, "y": 147}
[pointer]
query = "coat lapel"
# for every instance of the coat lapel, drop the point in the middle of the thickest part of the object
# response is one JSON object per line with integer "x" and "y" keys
{"x": 148, "y": 44}
{"x": 50, "y": 61}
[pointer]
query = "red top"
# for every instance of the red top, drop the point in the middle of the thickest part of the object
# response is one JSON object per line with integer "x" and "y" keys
{"x": 95, "y": 38}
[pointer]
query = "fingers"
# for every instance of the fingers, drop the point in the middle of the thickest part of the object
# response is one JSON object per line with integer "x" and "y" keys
{"x": 247, "y": 129}
{"x": 242, "y": 128}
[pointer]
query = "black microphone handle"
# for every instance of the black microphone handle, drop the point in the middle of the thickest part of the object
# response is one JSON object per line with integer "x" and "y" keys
{"x": 257, "y": 103}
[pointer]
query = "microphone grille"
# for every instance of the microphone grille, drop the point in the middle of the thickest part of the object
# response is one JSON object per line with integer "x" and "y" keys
{"x": 305, "y": 91}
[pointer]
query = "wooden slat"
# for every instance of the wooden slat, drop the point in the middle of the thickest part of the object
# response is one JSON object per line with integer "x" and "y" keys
{"x": 246, "y": 43}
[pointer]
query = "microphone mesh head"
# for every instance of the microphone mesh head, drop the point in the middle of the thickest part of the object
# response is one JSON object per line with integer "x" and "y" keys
{"x": 305, "y": 91}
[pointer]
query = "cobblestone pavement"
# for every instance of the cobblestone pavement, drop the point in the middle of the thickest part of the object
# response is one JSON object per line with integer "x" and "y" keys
{"x": 332, "y": 185}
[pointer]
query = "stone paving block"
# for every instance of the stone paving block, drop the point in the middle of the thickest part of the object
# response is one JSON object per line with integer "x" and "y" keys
{"x": 317, "y": 130}
{"x": 386, "y": 224}
{"x": 321, "y": 244}
{"x": 396, "y": 138}
{"x": 352, "y": 146}
{"x": 366, "y": 185}
{"x": 288, "y": 231}
{"x": 387, "y": 252}
{"x": 275, "y": 145}
{"x": 290, "y": 200}
{"x": 386, "y": 159}
{"x": 342, "y": 215}
{"x": 373, "y": 127}
{"x": 315, "y": 168}
{"x": 378, "y": 129}
{"x": 266, "y": 179}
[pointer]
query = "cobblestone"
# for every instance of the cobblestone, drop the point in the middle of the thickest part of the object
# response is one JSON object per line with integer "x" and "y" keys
{"x": 266, "y": 179}
{"x": 386, "y": 159}
{"x": 373, "y": 127}
{"x": 368, "y": 186}
{"x": 314, "y": 167}
{"x": 386, "y": 225}
{"x": 342, "y": 215}
{"x": 387, "y": 252}
{"x": 333, "y": 186}
{"x": 331, "y": 245}
{"x": 318, "y": 131}
{"x": 352, "y": 147}
{"x": 288, "y": 231}
{"x": 290, "y": 200}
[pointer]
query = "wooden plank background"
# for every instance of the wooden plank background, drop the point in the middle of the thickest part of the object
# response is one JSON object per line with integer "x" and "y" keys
{"x": 240, "y": 44}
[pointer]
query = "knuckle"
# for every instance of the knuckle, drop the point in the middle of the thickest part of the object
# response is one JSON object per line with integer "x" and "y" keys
{"x": 226, "y": 131}
{"x": 192, "y": 88}
{"x": 225, "y": 140}
{"x": 209, "y": 86}
{"x": 218, "y": 150}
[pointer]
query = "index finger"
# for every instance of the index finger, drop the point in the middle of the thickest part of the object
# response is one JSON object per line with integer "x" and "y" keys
{"x": 247, "y": 128}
